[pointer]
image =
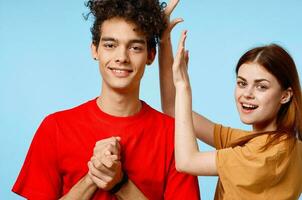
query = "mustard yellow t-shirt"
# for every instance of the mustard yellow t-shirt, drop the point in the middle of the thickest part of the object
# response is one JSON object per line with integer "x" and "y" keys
{"x": 247, "y": 173}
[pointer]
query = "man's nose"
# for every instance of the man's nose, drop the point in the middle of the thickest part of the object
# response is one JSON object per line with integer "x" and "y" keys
{"x": 122, "y": 55}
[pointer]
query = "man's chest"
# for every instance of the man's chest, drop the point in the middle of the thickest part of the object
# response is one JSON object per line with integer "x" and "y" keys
{"x": 145, "y": 155}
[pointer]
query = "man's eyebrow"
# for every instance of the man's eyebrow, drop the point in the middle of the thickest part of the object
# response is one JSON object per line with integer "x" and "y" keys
{"x": 108, "y": 39}
{"x": 140, "y": 41}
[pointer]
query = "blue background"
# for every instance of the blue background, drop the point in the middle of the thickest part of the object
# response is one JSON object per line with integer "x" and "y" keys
{"x": 45, "y": 63}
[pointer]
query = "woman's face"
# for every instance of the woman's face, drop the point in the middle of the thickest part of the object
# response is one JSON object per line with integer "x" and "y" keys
{"x": 258, "y": 97}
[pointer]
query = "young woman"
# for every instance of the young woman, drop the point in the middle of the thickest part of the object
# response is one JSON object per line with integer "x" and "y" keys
{"x": 261, "y": 164}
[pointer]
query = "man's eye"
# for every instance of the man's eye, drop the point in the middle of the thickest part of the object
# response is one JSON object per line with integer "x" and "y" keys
{"x": 108, "y": 45}
{"x": 136, "y": 48}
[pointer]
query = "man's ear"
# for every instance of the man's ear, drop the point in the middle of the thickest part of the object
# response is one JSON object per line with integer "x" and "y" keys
{"x": 94, "y": 51}
{"x": 287, "y": 95}
{"x": 151, "y": 56}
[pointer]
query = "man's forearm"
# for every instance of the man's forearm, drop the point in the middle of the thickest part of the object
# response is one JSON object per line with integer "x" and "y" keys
{"x": 129, "y": 191}
{"x": 83, "y": 190}
{"x": 167, "y": 88}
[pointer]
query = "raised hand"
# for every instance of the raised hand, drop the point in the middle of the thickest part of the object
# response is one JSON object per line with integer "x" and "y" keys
{"x": 105, "y": 168}
{"x": 170, "y": 24}
{"x": 180, "y": 65}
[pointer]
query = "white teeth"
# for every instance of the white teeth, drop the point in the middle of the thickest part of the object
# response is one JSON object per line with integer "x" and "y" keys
{"x": 249, "y": 105}
{"x": 120, "y": 71}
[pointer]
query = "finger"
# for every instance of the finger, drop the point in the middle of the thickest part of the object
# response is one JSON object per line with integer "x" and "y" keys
{"x": 119, "y": 144}
{"x": 112, "y": 156}
{"x": 102, "y": 168}
{"x": 116, "y": 146}
{"x": 181, "y": 44}
{"x": 187, "y": 57}
{"x": 99, "y": 174}
{"x": 170, "y": 7}
{"x": 99, "y": 165}
{"x": 114, "y": 141}
{"x": 184, "y": 37}
{"x": 108, "y": 154}
{"x": 112, "y": 148}
{"x": 109, "y": 163}
{"x": 99, "y": 182}
{"x": 96, "y": 162}
{"x": 102, "y": 146}
{"x": 174, "y": 22}
{"x": 179, "y": 60}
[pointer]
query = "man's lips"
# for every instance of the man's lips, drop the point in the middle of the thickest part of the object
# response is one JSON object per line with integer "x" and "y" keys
{"x": 120, "y": 72}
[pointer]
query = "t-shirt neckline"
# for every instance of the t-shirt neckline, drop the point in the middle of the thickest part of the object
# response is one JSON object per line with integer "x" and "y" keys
{"x": 117, "y": 119}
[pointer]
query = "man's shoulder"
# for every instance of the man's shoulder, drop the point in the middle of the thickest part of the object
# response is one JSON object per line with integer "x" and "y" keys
{"x": 73, "y": 112}
{"x": 160, "y": 115}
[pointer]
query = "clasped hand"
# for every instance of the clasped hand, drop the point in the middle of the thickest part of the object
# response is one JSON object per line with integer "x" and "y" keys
{"x": 105, "y": 168}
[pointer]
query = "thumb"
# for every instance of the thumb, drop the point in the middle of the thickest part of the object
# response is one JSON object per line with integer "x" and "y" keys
{"x": 174, "y": 22}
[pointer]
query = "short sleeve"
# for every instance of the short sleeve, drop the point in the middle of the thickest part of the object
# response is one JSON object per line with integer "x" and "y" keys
{"x": 178, "y": 185}
{"x": 181, "y": 186}
{"x": 224, "y": 136}
{"x": 242, "y": 171}
{"x": 39, "y": 177}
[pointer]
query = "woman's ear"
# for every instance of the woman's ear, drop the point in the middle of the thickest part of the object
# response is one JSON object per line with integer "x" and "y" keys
{"x": 287, "y": 95}
{"x": 151, "y": 56}
{"x": 94, "y": 51}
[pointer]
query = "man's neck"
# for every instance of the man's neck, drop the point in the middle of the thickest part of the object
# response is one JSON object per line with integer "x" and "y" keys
{"x": 119, "y": 104}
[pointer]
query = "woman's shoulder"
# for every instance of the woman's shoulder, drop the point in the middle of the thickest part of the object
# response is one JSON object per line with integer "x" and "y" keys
{"x": 280, "y": 155}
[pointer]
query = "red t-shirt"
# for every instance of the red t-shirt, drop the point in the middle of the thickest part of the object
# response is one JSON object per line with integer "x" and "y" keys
{"x": 63, "y": 144}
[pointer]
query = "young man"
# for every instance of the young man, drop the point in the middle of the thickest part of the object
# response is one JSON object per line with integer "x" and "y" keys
{"x": 119, "y": 136}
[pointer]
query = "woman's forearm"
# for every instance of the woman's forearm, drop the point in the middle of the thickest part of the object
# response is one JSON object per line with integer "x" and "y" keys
{"x": 185, "y": 141}
{"x": 187, "y": 155}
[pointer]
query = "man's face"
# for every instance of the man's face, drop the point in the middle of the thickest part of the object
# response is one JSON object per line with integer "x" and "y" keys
{"x": 122, "y": 55}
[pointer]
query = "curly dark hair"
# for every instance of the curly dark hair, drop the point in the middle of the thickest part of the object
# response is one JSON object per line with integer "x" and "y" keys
{"x": 148, "y": 15}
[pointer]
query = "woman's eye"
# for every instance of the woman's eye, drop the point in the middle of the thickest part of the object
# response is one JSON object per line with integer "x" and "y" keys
{"x": 262, "y": 87}
{"x": 241, "y": 84}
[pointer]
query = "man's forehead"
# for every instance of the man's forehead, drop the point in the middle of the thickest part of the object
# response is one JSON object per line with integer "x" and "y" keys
{"x": 120, "y": 29}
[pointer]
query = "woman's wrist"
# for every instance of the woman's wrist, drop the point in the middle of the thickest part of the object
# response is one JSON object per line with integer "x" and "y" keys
{"x": 182, "y": 86}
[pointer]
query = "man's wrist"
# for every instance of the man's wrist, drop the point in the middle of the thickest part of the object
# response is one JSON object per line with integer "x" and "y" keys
{"x": 89, "y": 182}
{"x": 119, "y": 185}
{"x": 165, "y": 41}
